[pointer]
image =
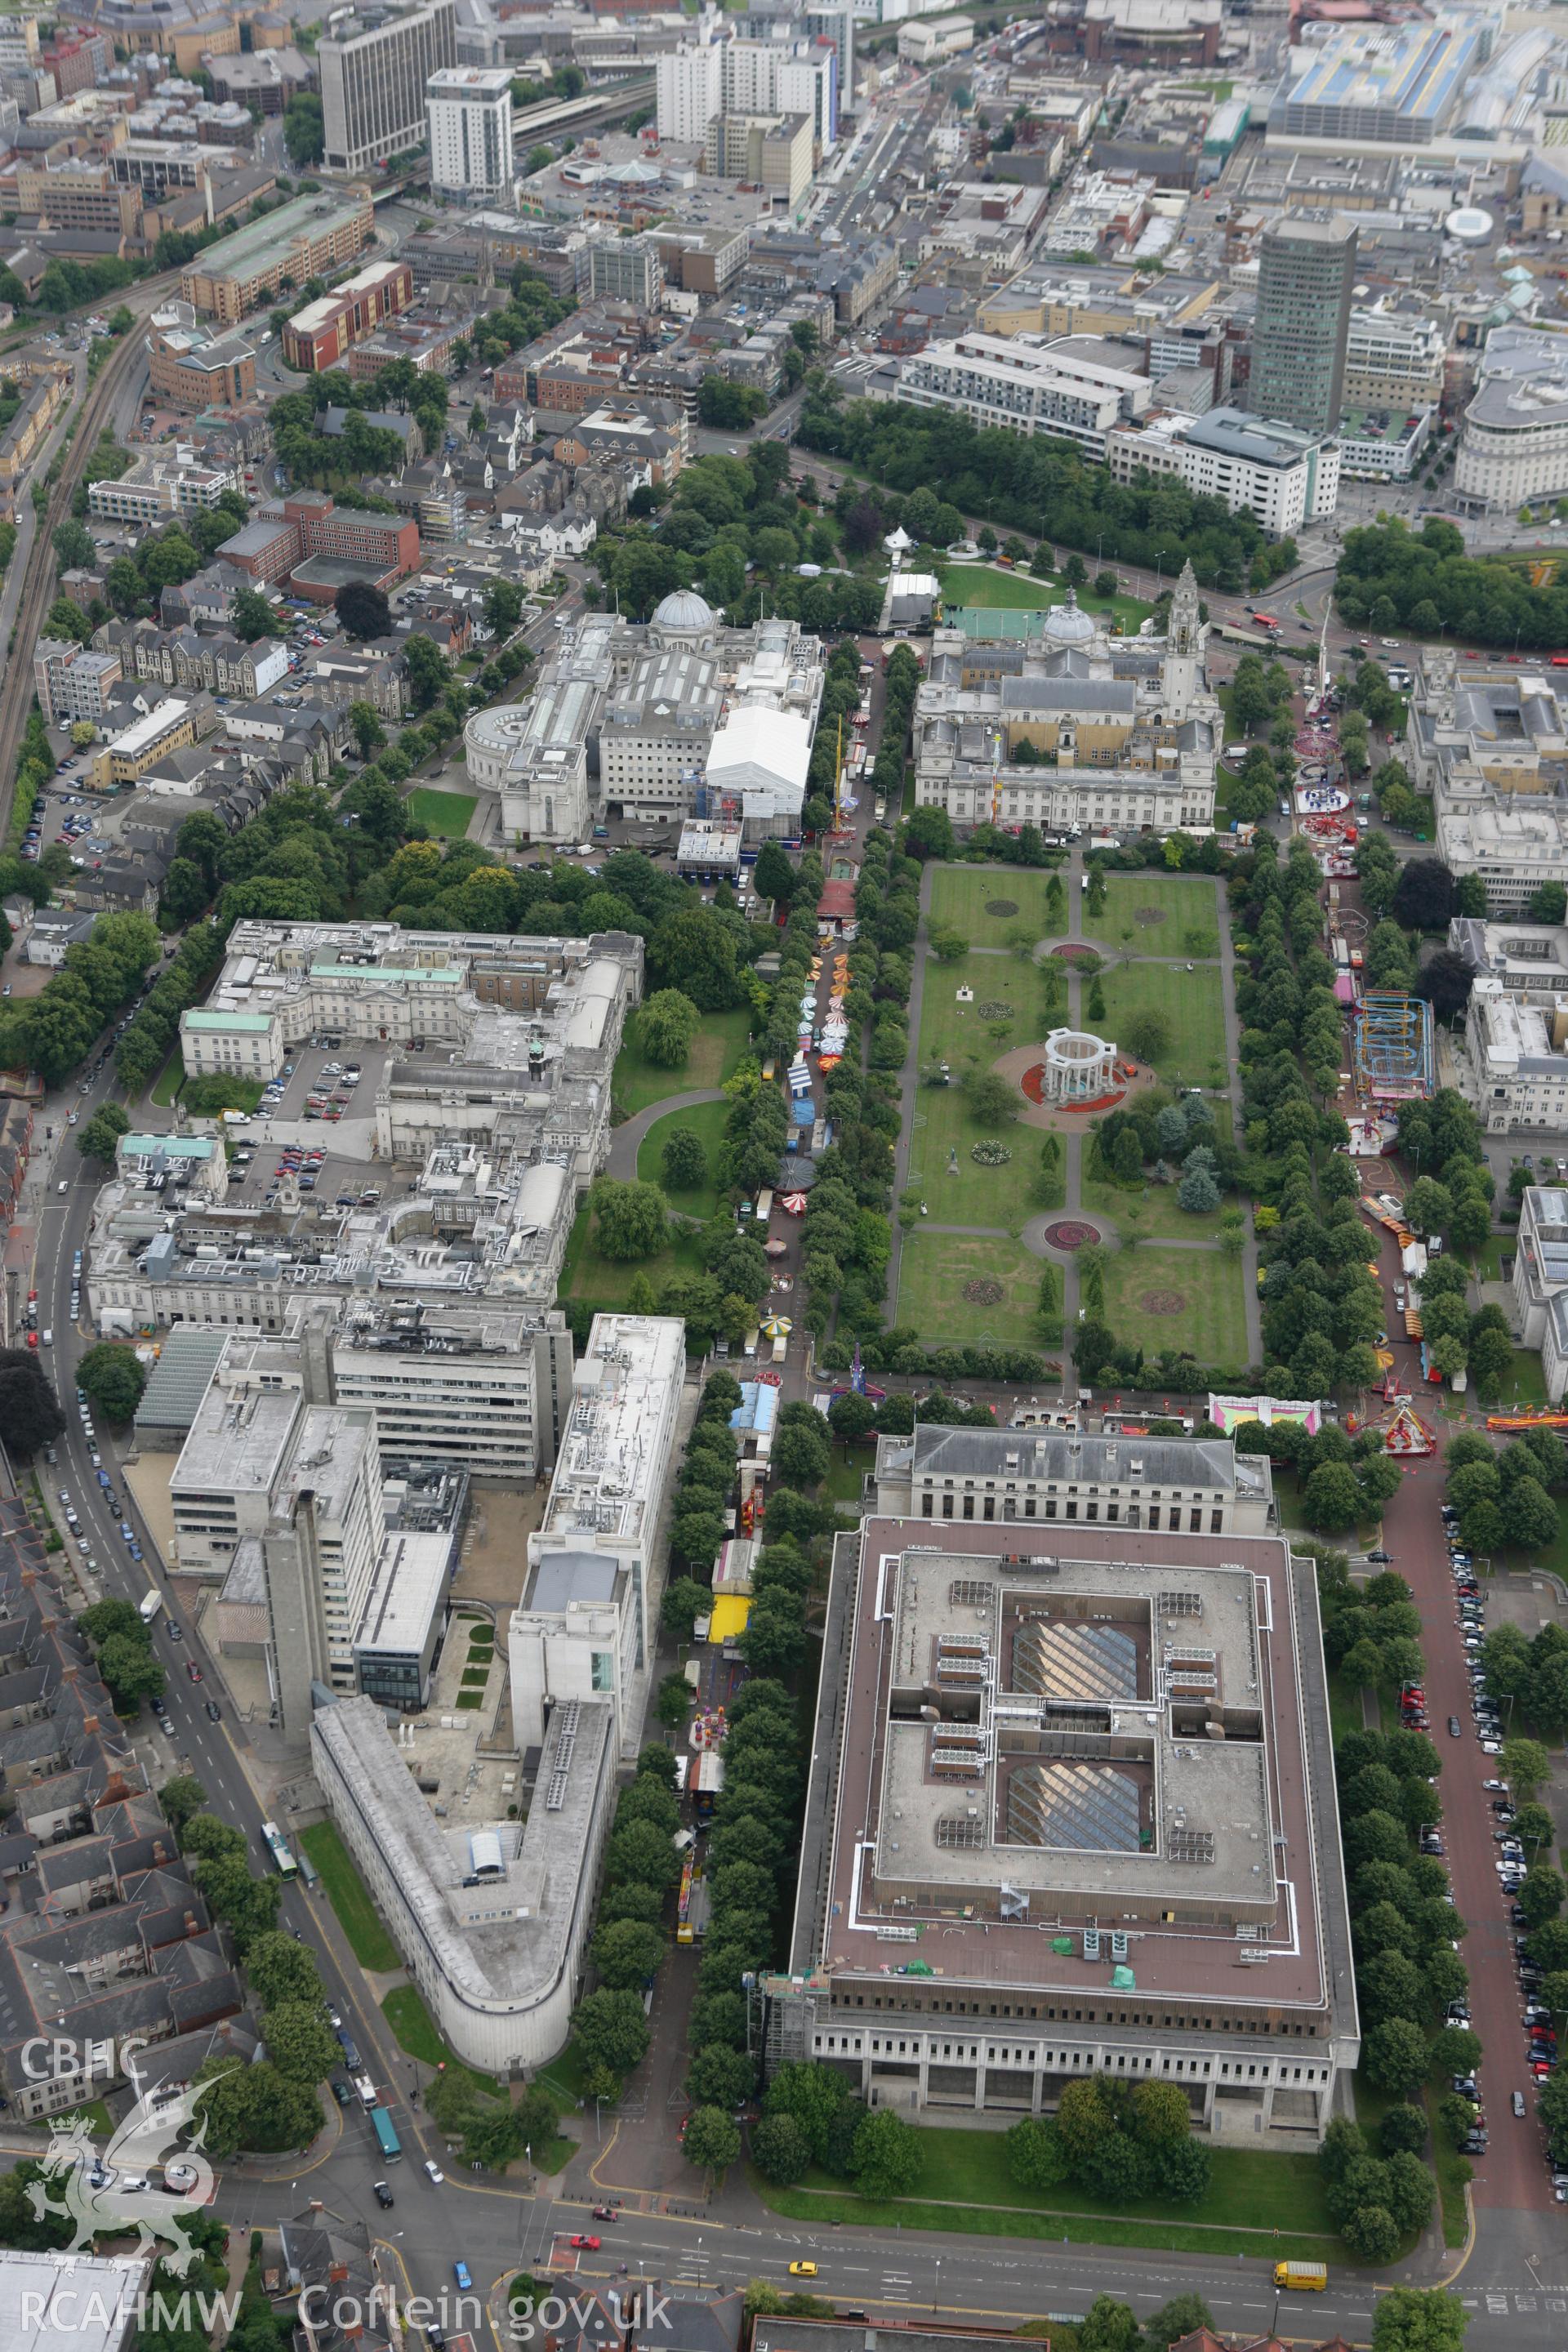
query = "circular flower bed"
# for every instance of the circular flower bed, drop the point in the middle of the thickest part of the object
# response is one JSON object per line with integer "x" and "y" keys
{"x": 1002, "y": 907}
{"x": 1162, "y": 1302}
{"x": 992, "y": 1153}
{"x": 1073, "y": 952}
{"x": 1147, "y": 916}
{"x": 984, "y": 1293}
{"x": 996, "y": 1008}
{"x": 1071, "y": 1234}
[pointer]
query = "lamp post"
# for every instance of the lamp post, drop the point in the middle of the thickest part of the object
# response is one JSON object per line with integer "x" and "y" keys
{"x": 936, "y": 2290}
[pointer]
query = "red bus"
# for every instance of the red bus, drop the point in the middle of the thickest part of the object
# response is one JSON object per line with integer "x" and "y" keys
{"x": 1266, "y": 621}
{"x": 1560, "y": 661}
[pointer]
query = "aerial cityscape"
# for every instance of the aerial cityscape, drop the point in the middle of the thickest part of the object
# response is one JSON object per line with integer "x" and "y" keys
{"x": 783, "y": 1174}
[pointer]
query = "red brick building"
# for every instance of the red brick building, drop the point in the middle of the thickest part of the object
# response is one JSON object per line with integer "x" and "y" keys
{"x": 321, "y": 334}
{"x": 309, "y": 529}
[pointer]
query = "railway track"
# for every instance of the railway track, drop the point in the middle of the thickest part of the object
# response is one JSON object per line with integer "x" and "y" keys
{"x": 38, "y": 582}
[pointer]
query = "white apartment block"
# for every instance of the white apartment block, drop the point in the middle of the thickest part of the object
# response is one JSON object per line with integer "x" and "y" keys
{"x": 1394, "y": 360}
{"x": 586, "y": 1625}
{"x": 1282, "y": 477}
{"x": 470, "y": 110}
{"x": 71, "y": 682}
{"x": 698, "y": 83}
{"x": 689, "y": 92}
{"x": 1024, "y": 384}
{"x": 156, "y": 488}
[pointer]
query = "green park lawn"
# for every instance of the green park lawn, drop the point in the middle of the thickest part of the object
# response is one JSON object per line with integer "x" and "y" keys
{"x": 934, "y": 1270}
{"x": 1162, "y": 1217}
{"x": 1190, "y": 1001}
{"x": 1266, "y": 2194}
{"x": 955, "y": 1189}
{"x": 995, "y": 590}
{"x": 404, "y": 2012}
{"x": 706, "y": 1120}
{"x": 446, "y": 814}
{"x": 170, "y": 1079}
{"x": 1160, "y": 911}
{"x": 960, "y": 897}
{"x": 1210, "y": 1322}
{"x": 604, "y": 1282}
{"x": 715, "y": 1051}
{"x": 371, "y": 1947}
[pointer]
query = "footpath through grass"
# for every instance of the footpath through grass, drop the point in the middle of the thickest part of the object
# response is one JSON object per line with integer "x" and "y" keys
{"x": 1268, "y": 2206}
{"x": 371, "y": 1947}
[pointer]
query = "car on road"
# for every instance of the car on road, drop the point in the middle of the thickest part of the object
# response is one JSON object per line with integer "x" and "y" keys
{"x": 802, "y": 2270}
{"x": 214, "y": 1712}
{"x": 586, "y": 2245}
{"x": 1383, "y": 1557}
{"x": 1517, "y": 2103}
{"x": 433, "y": 2172}
{"x": 1455, "y": 1729}
{"x": 461, "y": 2272}
{"x": 193, "y": 1671}
{"x": 383, "y": 2196}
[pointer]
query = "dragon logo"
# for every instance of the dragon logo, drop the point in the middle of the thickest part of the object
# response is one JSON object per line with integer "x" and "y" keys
{"x": 91, "y": 2191}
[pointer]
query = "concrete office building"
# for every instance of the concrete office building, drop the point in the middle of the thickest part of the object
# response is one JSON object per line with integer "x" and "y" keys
{"x": 1513, "y": 440}
{"x": 285, "y": 1498}
{"x": 1540, "y": 1282}
{"x": 1305, "y": 275}
{"x": 586, "y": 1625}
{"x": 375, "y": 69}
{"x": 1394, "y": 360}
{"x": 491, "y": 1918}
{"x": 470, "y": 110}
{"x": 1101, "y": 1770}
{"x": 671, "y": 717}
{"x": 1026, "y": 383}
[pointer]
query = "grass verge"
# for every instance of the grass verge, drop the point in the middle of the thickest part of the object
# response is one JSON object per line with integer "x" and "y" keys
{"x": 1268, "y": 2204}
{"x": 371, "y": 1947}
{"x": 169, "y": 1081}
{"x": 1453, "y": 2171}
{"x": 446, "y": 814}
{"x": 404, "y": 2010}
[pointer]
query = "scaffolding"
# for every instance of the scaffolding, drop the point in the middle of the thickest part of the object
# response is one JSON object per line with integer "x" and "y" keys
{"x": 1392, "y": 1055}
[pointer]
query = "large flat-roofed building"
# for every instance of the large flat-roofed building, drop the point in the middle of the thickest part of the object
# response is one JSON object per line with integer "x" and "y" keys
{"x": 191, "y": 367}
{"x": 1540, "y": 1282}
{"x": 375, "y": 68}
{"x": 1378, "y": 84}
{"x": 585, "y": 1624}
{"x": 1026, "y": 384}
{"x": 1489, "y": 739}
{"x": 1279, "y": 474}
{"x": 652, "y": 719}
{"x": 1514, "y": 1064}
{"x": 302, "y": 239}
{"x": 71, "y": 2302}
{"x": 482, "y": 1384}
{"x": 1513, "y": 439}
{"x": 491, "y": 1918}
{"x": 1093, "y": 1765}
{"x": 1007, "y": 1476}
{"x": 1394, "y": 359}
{"x": 319, "y": 336}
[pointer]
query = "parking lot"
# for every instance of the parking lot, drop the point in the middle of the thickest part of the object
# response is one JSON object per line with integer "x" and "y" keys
{"x": 318, "y": 1104}
{"x": 322, "y": 1173}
